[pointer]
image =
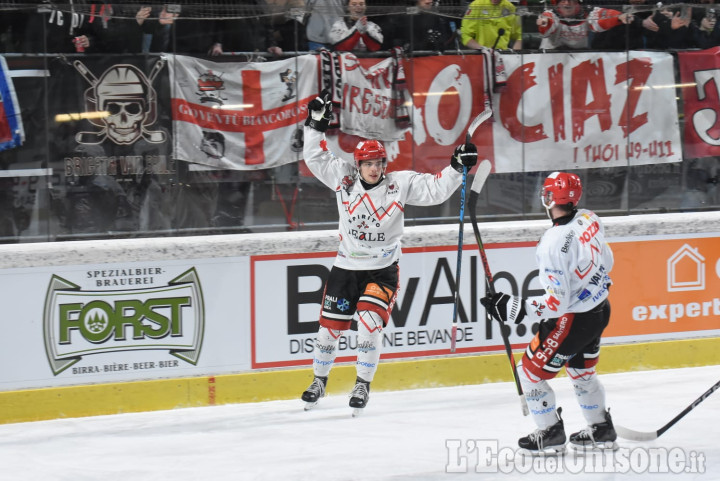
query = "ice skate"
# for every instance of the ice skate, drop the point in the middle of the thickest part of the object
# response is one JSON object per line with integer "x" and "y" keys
{"x": 595, "y": 437}
{"x": 359, "y": 396}
{"x": 312, "y": 394}
{"x": 550, "y": 440}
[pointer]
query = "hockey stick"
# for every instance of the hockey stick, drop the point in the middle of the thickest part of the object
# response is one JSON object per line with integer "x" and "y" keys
{"x": 461, "y": 228}
{"x": 647, "y": 436}
{"x": 474, "y": 192}
{"x": 481, "y": 117}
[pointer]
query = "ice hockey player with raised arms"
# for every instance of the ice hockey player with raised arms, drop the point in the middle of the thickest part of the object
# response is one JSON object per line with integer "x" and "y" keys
{"x": 574, "y": 264}
{"x": 364, "y": 277}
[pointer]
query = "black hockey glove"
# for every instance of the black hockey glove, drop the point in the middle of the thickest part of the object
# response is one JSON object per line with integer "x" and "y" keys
{"x": 505, "y": 308}
{"x": 464, "y": 155}
{"x": 320, "y": 112}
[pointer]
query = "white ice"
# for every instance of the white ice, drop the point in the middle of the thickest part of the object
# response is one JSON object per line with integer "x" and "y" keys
{"x": 403, "y": 435}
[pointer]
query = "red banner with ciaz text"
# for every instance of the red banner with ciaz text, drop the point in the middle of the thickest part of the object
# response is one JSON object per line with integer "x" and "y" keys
{"x": 700, "y": 79}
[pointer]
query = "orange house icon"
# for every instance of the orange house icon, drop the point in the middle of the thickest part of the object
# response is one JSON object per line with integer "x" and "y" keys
{"x": 686, "y": 270}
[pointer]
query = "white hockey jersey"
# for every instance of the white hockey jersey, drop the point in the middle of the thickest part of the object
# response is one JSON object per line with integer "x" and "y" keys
{"x": 574, "y": 263}
{"x": 372, "y": 221}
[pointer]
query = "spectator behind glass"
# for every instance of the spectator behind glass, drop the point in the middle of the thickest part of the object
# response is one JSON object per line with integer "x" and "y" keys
{"x": 134, "y": 30}
{"x": 355, "y": 33}
{"x": 286, "y": 30}
{"x": 630, "y": 37}
{"x": 323, "y": 15}
{"x": 245, "y": 34}
{"x": 191, "y": 31}
{"x": 483, "y": 21}
{"x": 61, "y": 29}
{"x": 156, "y": 32}
{"x": 669, "y": 27}
{"x": 570, "y": 26}
{"x": 704, "y": 27}
{"x": 424, "y": 31}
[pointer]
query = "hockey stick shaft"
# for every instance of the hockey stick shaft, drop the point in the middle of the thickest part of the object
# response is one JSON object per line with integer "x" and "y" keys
{"x": 479, "y": 119}
{"x": 646, "y": 436}
{"x": 461, "y": 228}
{"x": 474, "y": 192}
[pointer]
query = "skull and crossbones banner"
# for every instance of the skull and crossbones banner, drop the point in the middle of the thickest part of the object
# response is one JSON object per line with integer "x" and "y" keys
{"x": 106, "y": 114}
{"x": 125, "y": 100}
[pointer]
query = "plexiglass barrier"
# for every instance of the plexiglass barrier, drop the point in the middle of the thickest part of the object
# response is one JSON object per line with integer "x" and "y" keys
{"x": 152, "y": 119}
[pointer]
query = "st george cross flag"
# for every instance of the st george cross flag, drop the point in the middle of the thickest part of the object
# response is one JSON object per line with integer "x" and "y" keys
{"x": 12, "y": 133}
{"x": 240, "y": 115}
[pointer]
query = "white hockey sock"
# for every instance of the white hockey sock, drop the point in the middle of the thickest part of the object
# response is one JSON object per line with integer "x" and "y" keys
{"x": 369, "y": 344}
{"x": 590, "y": 394}
{"x": 540, "y": 398}
{"x": 326, "y": 344}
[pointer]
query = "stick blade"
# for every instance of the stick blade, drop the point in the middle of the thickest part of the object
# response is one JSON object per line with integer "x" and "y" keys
{"x": 453, "y": 338}
{"x": 632, "y": 435}
{"x": 481, "y": 175}
{"x": 523, "y": 405}
{"x": 482, "y": 117}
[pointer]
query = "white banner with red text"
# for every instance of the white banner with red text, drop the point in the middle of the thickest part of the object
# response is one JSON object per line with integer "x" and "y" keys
{"x": 557, "y": 111}
{"x": 585, "y": 110}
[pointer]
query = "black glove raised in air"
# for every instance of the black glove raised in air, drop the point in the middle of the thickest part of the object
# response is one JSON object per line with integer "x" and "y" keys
{"x": 504, "y": 307}
{"x": 464, "y": 155}
{"x": 319, "y": 112}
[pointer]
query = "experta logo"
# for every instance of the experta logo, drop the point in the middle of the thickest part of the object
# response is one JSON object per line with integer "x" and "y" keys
{"x": 79, "y": 323}
{"x": 686, "y": 270}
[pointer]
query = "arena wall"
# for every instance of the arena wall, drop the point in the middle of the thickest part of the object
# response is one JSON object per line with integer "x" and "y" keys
{"x": 105, "y": 327}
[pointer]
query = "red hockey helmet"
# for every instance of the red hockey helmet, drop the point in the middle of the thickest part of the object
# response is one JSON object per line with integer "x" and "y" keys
{"x": 561, "y": 188}
{"x": 369, "y": 150}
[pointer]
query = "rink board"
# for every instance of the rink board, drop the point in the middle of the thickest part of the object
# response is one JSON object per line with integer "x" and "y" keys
{"x": 101, "y": 327}
{"x": 115, "y": 398}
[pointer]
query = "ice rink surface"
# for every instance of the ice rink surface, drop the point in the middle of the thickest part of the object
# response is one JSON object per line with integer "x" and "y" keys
{"x": 429, "y": 434}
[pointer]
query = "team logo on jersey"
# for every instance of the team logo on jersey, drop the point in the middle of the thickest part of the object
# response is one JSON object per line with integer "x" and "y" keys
{"x": 343, "y": 304}
{"x": 347, "y": 182}
{"x": 584, "y": 295}
{"x": 365, "y": 203}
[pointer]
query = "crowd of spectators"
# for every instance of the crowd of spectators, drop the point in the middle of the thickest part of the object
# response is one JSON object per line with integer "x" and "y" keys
{"x": 282, "y": 27}
{"x": 275, "y": 28}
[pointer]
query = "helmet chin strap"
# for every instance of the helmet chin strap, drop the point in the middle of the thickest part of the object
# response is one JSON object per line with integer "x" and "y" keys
{"x": 547, "y": 211}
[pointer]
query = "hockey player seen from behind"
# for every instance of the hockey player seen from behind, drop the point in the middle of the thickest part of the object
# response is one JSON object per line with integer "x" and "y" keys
{"x": 574, "y": 263}
{"x": 363, "y": 281}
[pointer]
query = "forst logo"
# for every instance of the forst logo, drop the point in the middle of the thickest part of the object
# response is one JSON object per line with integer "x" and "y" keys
{"x": 100, "y": 321}
{"x": 81, "y": 323}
